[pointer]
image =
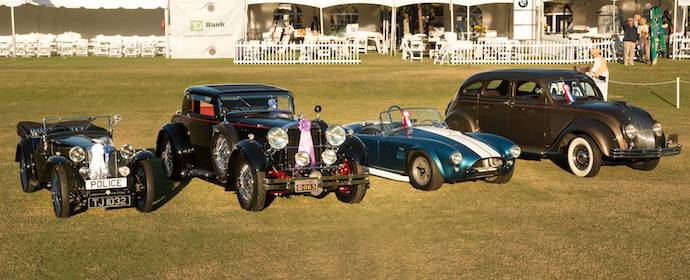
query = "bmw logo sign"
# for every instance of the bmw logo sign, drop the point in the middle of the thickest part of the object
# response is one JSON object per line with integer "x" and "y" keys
{"x": 523, "y": 3}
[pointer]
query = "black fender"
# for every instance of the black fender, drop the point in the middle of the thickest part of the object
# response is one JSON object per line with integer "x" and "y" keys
{"x": 140, "y": 155}
{"x": 53, "y": 161}
{"x": 601, "y": 133}
{"x": 253, "y": 151}
{"x": 179, "y": 137}
{"x": 353, "y": 148}
{"x": 461, "y": 121}
{"x": 24, "y": 148}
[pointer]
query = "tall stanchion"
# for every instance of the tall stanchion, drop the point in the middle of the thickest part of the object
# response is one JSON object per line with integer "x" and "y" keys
{"x": 677, "y": 92}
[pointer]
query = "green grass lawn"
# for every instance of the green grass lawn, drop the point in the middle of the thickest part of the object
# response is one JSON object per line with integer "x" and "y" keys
{"x": 545, "y": 223}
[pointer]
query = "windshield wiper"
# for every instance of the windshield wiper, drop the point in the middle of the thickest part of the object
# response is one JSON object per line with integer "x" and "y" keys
{"x": 245, "y": 102}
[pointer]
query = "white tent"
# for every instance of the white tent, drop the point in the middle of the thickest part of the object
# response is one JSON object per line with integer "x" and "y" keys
{"x": 12, "y": 4}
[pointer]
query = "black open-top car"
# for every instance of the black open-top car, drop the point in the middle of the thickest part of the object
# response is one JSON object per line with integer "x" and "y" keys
{"x": 76, "y": 159}
{"x": 248, "y": 138}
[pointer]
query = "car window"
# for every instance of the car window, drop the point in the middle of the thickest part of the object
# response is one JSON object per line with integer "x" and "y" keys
{"x": 588, "y": 89}
{"x": 560, "y": 89}
{"x": 202, "y": 105}
{"x": 528, "y": 89}
{"x": 497, "y": 88}
{"x": 472, "y": 89}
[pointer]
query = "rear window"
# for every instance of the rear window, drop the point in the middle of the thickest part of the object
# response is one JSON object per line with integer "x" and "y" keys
{"x": 497, "y": 88}
{"x": 472, "y": 89}
{"x": 202, "y": 105}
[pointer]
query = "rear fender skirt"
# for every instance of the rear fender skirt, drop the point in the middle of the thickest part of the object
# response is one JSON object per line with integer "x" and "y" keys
{"x": 601, "y": 134}
{"x": 354, "y": 149}
{"x": 253, "y": 151}
{"x": 179, "y": 138}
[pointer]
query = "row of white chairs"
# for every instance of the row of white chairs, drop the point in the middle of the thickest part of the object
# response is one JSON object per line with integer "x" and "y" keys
{"x": 71, "y": 44}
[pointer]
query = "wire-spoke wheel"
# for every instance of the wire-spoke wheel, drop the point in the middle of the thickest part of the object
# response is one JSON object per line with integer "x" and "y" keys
{"x": 60, "y": 187}
{"x": 355, "y": 193}
{"x": 28, "y": 185}
{"x": 144, "y": 186}
{"x": 584, "y": 157}
{"x": 170, "y": 161}
{"x": 423, "y": 172}
{"x": 251, "y": 192}
{"x": 221, "y": 156}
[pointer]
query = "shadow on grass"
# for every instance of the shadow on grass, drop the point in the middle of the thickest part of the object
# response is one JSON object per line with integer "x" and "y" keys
{"x": 166, "y": 189}
{"x": 663, "y": 99}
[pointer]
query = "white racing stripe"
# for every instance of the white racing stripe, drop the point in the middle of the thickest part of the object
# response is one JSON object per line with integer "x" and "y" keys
{"x": 478, "y": 147}
{"x": 387, "y": 175}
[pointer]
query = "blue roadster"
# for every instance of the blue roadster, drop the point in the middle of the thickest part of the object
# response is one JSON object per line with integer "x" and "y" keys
{"x": 415, "y": 145}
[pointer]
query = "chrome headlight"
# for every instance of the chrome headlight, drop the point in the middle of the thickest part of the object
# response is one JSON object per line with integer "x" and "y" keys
{"x": 515, "y": 151}
{"x": 329, "y": 157}
{"x": 127, "y": 151}
{"x": 335, "y": 135}
{"x": 77, "y": 154}
{"x": 456, "y": 157}
{"x": 124, "y": 171}
{"x": 302, "y": 159}
{"x": 277, "y": 138}
{"x": 630, "y": 131}
{"x": 658, "y": 130}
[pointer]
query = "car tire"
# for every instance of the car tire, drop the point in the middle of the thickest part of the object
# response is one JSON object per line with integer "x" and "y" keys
{"x": 29, "y": 185}
{"x": 220, "y": 156}
{"x": 583, "y": 156}
{"x": 171, "y": 160}
{"x": 423, "y": 172}
{"x": 503, "y": 178}
{"x": 60, "y": 192}
{"x": 356, "y": 192}
{"x": 251, "y": 192}
{"x": 646, "y": 165}
{"x": 145, "y": 186}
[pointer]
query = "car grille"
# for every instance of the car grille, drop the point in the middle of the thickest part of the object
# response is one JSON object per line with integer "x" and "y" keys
{"x": 487, "y": 164}
{"x": 294, "y": 137}
{"x": 645, "y": 130}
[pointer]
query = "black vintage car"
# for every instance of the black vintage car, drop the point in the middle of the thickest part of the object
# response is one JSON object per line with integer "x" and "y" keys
{"x": 76, "y": 159}
{"x": 560, "y": 114}
{"x": 248, "y": 139}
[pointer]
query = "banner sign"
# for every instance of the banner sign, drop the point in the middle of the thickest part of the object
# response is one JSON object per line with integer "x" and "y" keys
{"x": 524, "y": 20}
{"x": 683, "y": 2}
{"x": 205, "y": 29}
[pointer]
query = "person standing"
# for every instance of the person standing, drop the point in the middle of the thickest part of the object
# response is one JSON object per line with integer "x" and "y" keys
{"x": 600, "y": 73}
{"x": 629, "y": 41}
{"x": 643, "y": 34}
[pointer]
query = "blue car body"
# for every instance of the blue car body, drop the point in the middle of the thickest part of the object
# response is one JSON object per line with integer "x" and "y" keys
{"x": 389, "y": 145}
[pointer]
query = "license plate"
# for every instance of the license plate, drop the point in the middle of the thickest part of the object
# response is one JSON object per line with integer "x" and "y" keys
{"x": 104, "y": 184}
{"x": 110, "y": 201}
{"x": 306, "y": 186}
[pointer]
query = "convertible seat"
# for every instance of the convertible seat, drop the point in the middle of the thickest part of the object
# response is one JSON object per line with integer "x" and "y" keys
{"x": 24, "y": 128}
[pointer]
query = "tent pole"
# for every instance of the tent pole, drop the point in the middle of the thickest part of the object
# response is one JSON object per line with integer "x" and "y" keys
{"x": 166, "y": 18}
{"x": 613, "y": 21}
{"x": 394, "y": 30}
{"x": 467, "y": 22}
{"x": 245, "y": 17}
{"x": 14, "y": 35}
{"x": 452, "y": 20}
{"x": 675, "y": 16}
{"x": 321, "y": 19}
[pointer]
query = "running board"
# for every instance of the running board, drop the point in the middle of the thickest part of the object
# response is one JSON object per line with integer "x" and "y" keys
{"x": 387, "y": 175}
{"x": 198, "y": 173}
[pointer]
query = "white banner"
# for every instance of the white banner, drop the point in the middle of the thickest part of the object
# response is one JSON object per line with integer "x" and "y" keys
{"x": 205, "y": 29}
{"x": 683, "y": 2}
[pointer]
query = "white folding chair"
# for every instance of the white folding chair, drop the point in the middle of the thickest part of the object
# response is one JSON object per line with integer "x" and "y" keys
{"x": 148, "y": 47}
{"x": 417, "y": 48}
{"x": 132, "y": 47}
{"x": 81, "y": 47}
{"x": 115, "y": 47}
{"x": 101, "y": 46}
{"x": 5, "y": 46}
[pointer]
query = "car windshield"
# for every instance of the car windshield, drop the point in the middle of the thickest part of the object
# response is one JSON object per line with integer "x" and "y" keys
{"x": 395, "y": 118}
{"x": 257, "y": 103}
{"x": 578, "y": 89}
{"x": 77, "y": 123}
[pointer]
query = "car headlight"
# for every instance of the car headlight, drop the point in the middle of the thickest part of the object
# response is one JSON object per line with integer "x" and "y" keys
{"x": 329, "y": 157}
{"x": 77, "y": 154}
{"x": 335, "y": 135}
{"x": 658, "y": 130}
{"x": 515, "y": 151}
{"x": 124, "y": 171}
{"x": 277, "y": 138}
{"x": 630, "y": 131}
{"x": 302, "y": 158}
{"x": 127, "y": 151}
{"x": 456, "y": 157}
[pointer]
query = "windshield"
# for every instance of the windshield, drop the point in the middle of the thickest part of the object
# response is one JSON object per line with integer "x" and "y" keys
{"x": 76, "y": 123}
{"x": 395, "y": 118}
{"x": 578, "y": 89}
{"x": 257, "y": 103}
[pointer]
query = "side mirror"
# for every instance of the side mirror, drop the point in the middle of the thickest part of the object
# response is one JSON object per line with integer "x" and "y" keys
{"x": 117, "y": 118}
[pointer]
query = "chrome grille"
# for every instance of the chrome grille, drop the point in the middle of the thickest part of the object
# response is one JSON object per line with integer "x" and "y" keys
{"x": 294, "y": 136}
{"x": 645, "y": 130}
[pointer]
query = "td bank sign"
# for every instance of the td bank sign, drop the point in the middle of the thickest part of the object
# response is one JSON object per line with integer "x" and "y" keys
{"x": 200, "y": 25}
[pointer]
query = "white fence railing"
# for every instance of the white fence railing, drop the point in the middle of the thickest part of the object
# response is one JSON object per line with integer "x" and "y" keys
{"x": 513, "y": 52}
{"x": 255, "y": 52}
{"x": 680, "y": 46}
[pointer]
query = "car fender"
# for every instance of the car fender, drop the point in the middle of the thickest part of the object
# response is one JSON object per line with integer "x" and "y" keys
{"x": 601, "y": 133}
{"x": 461, "y": 121}
{"x": 179, "y": 137}
{"x": 140, "y": 155}
{"x": 433, "y": 153}
{"x": 253, "y": 151}
{"x": 53, "y": 161}
{"x": 25, "y": 148}
{"x": 353, "y": 148}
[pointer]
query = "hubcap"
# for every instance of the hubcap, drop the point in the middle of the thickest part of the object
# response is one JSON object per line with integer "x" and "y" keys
{"x": 581, "y": 157}
{"x": 421, "y": 170}
{"x": 168, "y": 159}
{"x": 246, "y": 182}
{"x": 221, "y": 154}
{"x": 55, "y": 190}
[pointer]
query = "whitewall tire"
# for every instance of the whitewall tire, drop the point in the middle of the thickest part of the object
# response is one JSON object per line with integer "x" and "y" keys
{"x": 583, "y": 156}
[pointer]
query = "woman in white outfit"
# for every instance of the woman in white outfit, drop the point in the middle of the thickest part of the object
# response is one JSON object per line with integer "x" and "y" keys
{"x": 600, "y": 73}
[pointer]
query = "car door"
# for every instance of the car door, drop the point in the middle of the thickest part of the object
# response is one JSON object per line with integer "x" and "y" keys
{"x": 202, "y": 118}
{"x": 393, "y": 149}
{"x": 371, "y": 142}
{"x": 528, "y": 116}
{"x": 493, "y": 107}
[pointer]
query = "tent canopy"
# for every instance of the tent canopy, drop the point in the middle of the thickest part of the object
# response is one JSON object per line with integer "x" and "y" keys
{"x": 12, "y": 3}
{"x": 91, "y": 4}
{"x": 389, "y": 3}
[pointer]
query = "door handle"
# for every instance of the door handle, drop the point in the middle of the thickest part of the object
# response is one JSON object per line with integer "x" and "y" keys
{"x": 509, "y": 102}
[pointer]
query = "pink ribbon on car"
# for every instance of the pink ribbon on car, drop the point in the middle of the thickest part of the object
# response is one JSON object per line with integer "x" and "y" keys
{"x": 306, "y": 143}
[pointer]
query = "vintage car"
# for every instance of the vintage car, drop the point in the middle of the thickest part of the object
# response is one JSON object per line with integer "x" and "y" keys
{"x": 415, "y": 145}
{"x": 76, "y": 159}
{"x": 561, "y": 115}
{"x": 248, "y": 139}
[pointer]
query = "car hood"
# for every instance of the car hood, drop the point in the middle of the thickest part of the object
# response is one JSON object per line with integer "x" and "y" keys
{"x": 81, "y": 140}
{"x": 458, "y": 140}
{"x": 620, "y": 110}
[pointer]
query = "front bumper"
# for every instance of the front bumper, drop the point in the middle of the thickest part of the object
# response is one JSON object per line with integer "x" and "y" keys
{"x": 645, "y": 154}
{"x": 329, "y": 183}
